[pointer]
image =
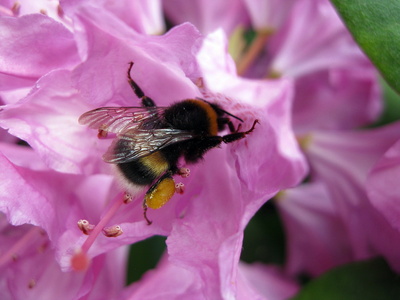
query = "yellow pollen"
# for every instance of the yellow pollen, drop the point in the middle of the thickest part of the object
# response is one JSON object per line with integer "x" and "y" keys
{"x": 304, "y": 141}
{"x": 160, "y": 194}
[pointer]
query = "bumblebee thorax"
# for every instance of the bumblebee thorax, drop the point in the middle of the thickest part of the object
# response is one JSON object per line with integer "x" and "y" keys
{"x": 193, "y": 115}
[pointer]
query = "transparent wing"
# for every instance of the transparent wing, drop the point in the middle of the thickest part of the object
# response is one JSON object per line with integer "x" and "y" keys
{"x": 118, "y": 119}
{"x": 136, "y": 143}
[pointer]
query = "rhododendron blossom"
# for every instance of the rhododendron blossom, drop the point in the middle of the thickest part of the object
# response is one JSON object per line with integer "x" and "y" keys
{"x": 309, "y": 210}
{"x": 337, "y": 159}
{"x": 74, "y": 187}
{"x": 300, "y": 88}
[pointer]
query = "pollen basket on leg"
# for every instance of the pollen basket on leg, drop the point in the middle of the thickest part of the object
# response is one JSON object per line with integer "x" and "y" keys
{"x": 157, "y": 197}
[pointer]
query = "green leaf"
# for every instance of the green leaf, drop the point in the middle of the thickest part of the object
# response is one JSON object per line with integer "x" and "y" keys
{"x": 391, "y": 109}
{"x": 375, "y": 25}
{"x": 264, "y": 238}
{"x": 366, "y": 280}
{"x": 144, "y": 256}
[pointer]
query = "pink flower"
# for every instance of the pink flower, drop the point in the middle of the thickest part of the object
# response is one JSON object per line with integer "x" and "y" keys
{"x": 337, "y": 99}
{"x": 313, "y": 39}
{"x": 58, "y": 195}
{"x": 51, "y": 201}
{"x": 266, "y": 282}
{"x": 335, "y": 85}
{"x": 274, "y": 160}
{"x": 29, "y": 270}
{"x": 167, "y": 281}
{"x": 382, "y": 187}
{"x": 144, "y": 16}
{"x": 334, "y": 211}
{"x": 382, "y": 190}
{"x": 36, "y": 45}
{"x": 209, "y": 15}
{"x": 173, "y": 281}
{"x": 342, "y": 160}
{"x": 268, "y": 15}
{"x": 330, "y": 94}
{"x": 50, "y": 8}
{"x": 316, "y": 235}
{"x": 72, "y": 183}
{"x": 47, "y": 120}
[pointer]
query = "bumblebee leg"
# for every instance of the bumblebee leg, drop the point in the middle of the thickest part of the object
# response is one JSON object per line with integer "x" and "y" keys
{"x": 145, "y": 215}
{"x": 229, "y": 138}
{"x": 159, "y": 194}
{"x": 146, "y": 101}
{"x": 226, "y": 121}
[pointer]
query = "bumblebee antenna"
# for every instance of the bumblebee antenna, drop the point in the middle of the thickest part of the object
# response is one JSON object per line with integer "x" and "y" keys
{"x": 224, "y": 111}
{"x": 216, "y": 107}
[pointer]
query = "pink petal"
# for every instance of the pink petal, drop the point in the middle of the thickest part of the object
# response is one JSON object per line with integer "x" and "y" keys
{"x": 167, "y": 281}
{"x": 208, "y": 15}
{"x": 337, "y": 99}
{"x": 145, "y": 16}
{"x": 51, "y": 200}
{"x": 267, "y": 101}
{"x": 109, "y": 58}
{"x": 33, "y": 196}
{"x": 23, "y": 279}
{"x": 258, "y": 167}
{"x": 268, "y": 14}
{"x": 382, "y": 190}
{"x": 316, "y": 236}
{"x": 313, "y": 39}
{"x": 48, "y": 120}
{"x": 382, "y": 186}
{"x": 343, "y": 160}
{"x": 35, "y": 45}
{"x": 257, "y": 281}
{"x": 49, "y": 8}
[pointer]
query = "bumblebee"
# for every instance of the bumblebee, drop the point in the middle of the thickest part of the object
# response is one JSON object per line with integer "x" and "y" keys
{"x": 150, "y": 140}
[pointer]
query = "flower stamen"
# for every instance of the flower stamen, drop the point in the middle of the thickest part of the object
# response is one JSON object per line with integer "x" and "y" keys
{"x": 13, "y": 253}
{"x": 80, "y": 261}
{"x": 304, "y": 141}
{"x": 184, "y": 172}
{"x": 31, "y": 283}
{"x": 179, "y": 188}
{"x": 127, "y": 198}
{"x": 16, "y": 8}
{"x": 13, "y": 12}
{"x": 60, "y": 11}
{"x": 253, "y": 50}
{"x": 112, "y": 231}
{"x": 79, "y": 258}
{"x": 103, "y": 133}
{"x": 85, "y": 226}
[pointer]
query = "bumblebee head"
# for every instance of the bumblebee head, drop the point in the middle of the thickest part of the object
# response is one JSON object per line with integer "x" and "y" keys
{"x": 222, "y": 119}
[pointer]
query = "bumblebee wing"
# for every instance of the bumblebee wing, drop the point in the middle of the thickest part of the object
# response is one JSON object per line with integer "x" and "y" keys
{"x": 133, "y": 144}
{"x": 117, "y": 119}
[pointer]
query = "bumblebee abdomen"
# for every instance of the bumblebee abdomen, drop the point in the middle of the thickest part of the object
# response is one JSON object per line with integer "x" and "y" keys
{"x": 145, "y": 170}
